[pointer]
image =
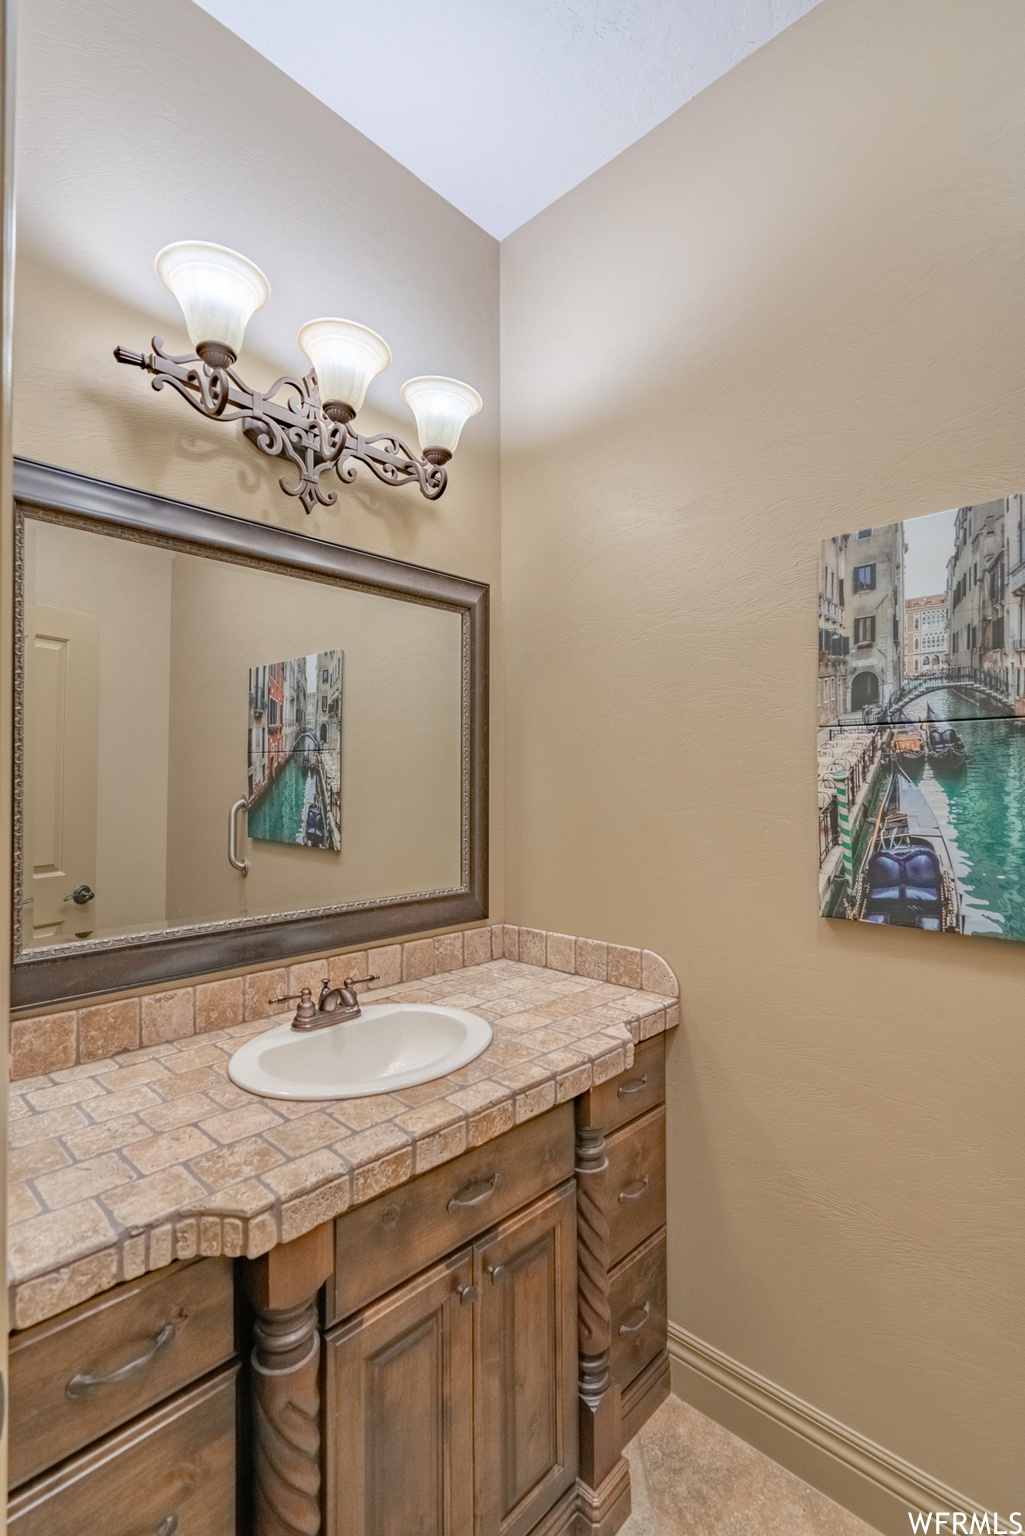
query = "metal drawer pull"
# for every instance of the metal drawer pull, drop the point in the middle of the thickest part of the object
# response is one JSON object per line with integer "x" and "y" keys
{"x": 635, "y": 1190}
{"x": 497, "y": 1272}
{"x": 79, "y": 1384}
{"x": 627, "y": 1328}
{"x": 464, "y": 1200}
{"x": 467, "y": 1294}
{"x": 167, "y": 1527}
{"x": 634, "y": 1085}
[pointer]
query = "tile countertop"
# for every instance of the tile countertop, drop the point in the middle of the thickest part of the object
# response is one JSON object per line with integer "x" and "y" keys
{"x": 118, "y": 1167}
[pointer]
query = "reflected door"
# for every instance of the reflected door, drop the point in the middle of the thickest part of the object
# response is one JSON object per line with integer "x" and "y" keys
{"x": 62, "y": 662}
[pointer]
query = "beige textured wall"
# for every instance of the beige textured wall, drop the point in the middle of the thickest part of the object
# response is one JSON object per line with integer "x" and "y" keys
{"x": 141, "y": 124}
{"x": 401, "y": 740}
{"x": 794, "y": 308}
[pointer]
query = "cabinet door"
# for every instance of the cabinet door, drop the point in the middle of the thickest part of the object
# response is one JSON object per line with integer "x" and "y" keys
{"x": 399, "y": 1411}
{"x": 525, "y": 1365}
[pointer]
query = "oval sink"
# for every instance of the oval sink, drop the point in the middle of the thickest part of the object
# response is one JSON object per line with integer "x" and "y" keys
{"x": 390, "y": 1045}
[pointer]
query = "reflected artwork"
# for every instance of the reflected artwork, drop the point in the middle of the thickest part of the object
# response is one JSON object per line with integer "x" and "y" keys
{"x": 921, "y": 722}
{"x": 295, "y": 751}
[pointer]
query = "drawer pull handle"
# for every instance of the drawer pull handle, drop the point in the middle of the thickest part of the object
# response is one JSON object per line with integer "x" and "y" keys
{"x": 79, "y": 1384}
{"x": 167, "y": 1527}
{"x": 634, "y": 1086}
{"x": 628, "y": 1328}
{"x": 467, "y": 1294}
{"x": 464, "y": 1201}
{"x": 497, "y": 1272}
{"x": 635, "y": 1190}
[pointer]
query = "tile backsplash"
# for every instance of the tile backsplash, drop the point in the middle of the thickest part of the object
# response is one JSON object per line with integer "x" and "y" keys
{"x": 73, "y": 1036}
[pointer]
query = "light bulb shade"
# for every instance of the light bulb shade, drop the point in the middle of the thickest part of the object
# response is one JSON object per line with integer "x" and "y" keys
{"x": 346, "y": 356}
{"x": 442, "y": 408}
{"x": 219, "y": 291}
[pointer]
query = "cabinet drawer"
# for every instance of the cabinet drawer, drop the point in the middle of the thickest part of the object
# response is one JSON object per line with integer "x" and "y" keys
{"x": 80, "y": 1375}
{"x": 383, "y": 1243}
{"x": 634, "y": 1184}
{"x": 171, "y": 1471}
{"x": 638, "y": 1298}
{"x": 640, "y": 1088}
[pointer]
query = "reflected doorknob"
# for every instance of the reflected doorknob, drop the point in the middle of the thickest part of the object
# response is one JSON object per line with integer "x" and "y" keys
{"x": 81, "y": 896}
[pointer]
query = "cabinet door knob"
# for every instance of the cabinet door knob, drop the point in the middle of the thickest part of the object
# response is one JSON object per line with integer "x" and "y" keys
{"x": 497, "y": 1272}
{"x": 79, "y": 1383}
{"x": 627, "y": 1328}
{"x": 635, "y": 1190}
{"x": 633, "y": 1086}
{"x": 467, "y": 1294}
{"x": 167, "y": 1527}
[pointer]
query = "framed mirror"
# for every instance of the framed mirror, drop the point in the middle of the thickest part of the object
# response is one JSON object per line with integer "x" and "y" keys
{"x": 233, "y": 743}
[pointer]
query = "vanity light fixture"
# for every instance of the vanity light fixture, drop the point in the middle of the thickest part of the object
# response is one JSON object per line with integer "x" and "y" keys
{"x": 219, "y": 291}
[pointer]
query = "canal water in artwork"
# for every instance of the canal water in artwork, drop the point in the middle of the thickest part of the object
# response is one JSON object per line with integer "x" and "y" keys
{"x": 281, "y": 815}
{"x": 982, "y": 813}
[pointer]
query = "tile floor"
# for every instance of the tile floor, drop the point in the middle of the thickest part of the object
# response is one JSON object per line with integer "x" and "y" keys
{"x": 691, "y": 1477}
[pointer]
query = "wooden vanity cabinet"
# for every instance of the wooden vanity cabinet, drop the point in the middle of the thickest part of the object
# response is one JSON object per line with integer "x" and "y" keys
{"x": 398, "y": 1410}
{"x": 451, "y": 1401}
{"x": 170, "y": 1471}
{"x": 84, "y": 1373}
{"x": 624, "y": 1121}
{"x": 464, "y": 1355}
{"x": 450, "y": 1405}
{"x": 124, "y": 1412}
{"x": 525, "y": 1365}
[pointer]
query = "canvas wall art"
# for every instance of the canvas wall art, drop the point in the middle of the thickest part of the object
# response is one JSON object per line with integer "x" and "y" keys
{"x": 295, "y": 751}
{"x": 921, "y": 722}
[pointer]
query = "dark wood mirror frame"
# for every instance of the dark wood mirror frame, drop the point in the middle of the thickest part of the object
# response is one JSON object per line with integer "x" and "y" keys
{"x": 67, "y": 972}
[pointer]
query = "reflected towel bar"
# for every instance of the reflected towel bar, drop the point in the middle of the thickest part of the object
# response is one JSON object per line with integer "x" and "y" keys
{"x": 242, "y": 865}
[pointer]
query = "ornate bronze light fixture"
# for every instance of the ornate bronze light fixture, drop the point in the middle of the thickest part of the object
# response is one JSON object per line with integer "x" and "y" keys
{"x": 306, "y": 421}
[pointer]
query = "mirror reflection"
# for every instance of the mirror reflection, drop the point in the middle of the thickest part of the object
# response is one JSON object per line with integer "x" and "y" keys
{"x": 208, "y": 741}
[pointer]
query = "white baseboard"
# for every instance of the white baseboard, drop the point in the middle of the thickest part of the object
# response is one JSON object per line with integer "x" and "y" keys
{"x": 874, "y": 1483}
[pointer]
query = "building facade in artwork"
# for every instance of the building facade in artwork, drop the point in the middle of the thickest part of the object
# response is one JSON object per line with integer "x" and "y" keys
{"x": 1014, "y": 634}
{"x": 294, "y": 717}
{"x": 328, "y": 727}
{"x": 925, "y": 634}
{"x": 834, "y": 642}
{"x": 874, "y": 616}
{"x": 976, "y": 587}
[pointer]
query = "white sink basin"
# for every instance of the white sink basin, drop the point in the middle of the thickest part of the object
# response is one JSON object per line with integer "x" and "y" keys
{"x": 390, "y": 1045}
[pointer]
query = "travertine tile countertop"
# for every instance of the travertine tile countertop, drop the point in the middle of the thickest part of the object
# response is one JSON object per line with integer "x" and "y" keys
{"x": 120, "y": 1166}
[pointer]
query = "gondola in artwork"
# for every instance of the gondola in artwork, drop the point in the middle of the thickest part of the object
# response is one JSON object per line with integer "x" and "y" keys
{"x": 907, "y": 877}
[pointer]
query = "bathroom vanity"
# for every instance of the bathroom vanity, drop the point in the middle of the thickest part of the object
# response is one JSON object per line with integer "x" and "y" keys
{"x": 464, "y": 1346}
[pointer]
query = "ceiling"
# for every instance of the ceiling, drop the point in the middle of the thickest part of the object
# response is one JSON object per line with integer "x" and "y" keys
{"x": 502, "y": 106}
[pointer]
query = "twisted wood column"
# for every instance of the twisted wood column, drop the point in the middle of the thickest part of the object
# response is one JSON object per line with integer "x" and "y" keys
{"x": 286, "y": 1404}
{"x": 600, "y": 1426}
{"x": 286, "y": 1422}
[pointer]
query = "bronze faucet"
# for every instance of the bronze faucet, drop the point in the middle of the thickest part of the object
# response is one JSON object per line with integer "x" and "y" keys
{"x": 334, "y": 1005}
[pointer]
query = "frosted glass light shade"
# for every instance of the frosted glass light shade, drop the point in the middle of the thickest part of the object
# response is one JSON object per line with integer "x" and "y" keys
{"x": 442, "y": 408}
{"x": 218, "y": 290}
{"x": 346, "y": 357}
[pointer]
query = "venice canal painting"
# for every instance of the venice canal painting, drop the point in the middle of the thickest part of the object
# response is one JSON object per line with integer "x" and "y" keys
{"x": 921, "y": 722}
{"x": 295, "y": 751}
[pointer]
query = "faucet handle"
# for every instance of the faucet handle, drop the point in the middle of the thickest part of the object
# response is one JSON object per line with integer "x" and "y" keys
{"x": 358, "y": 981}
{"x": 307, "y": 1008}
